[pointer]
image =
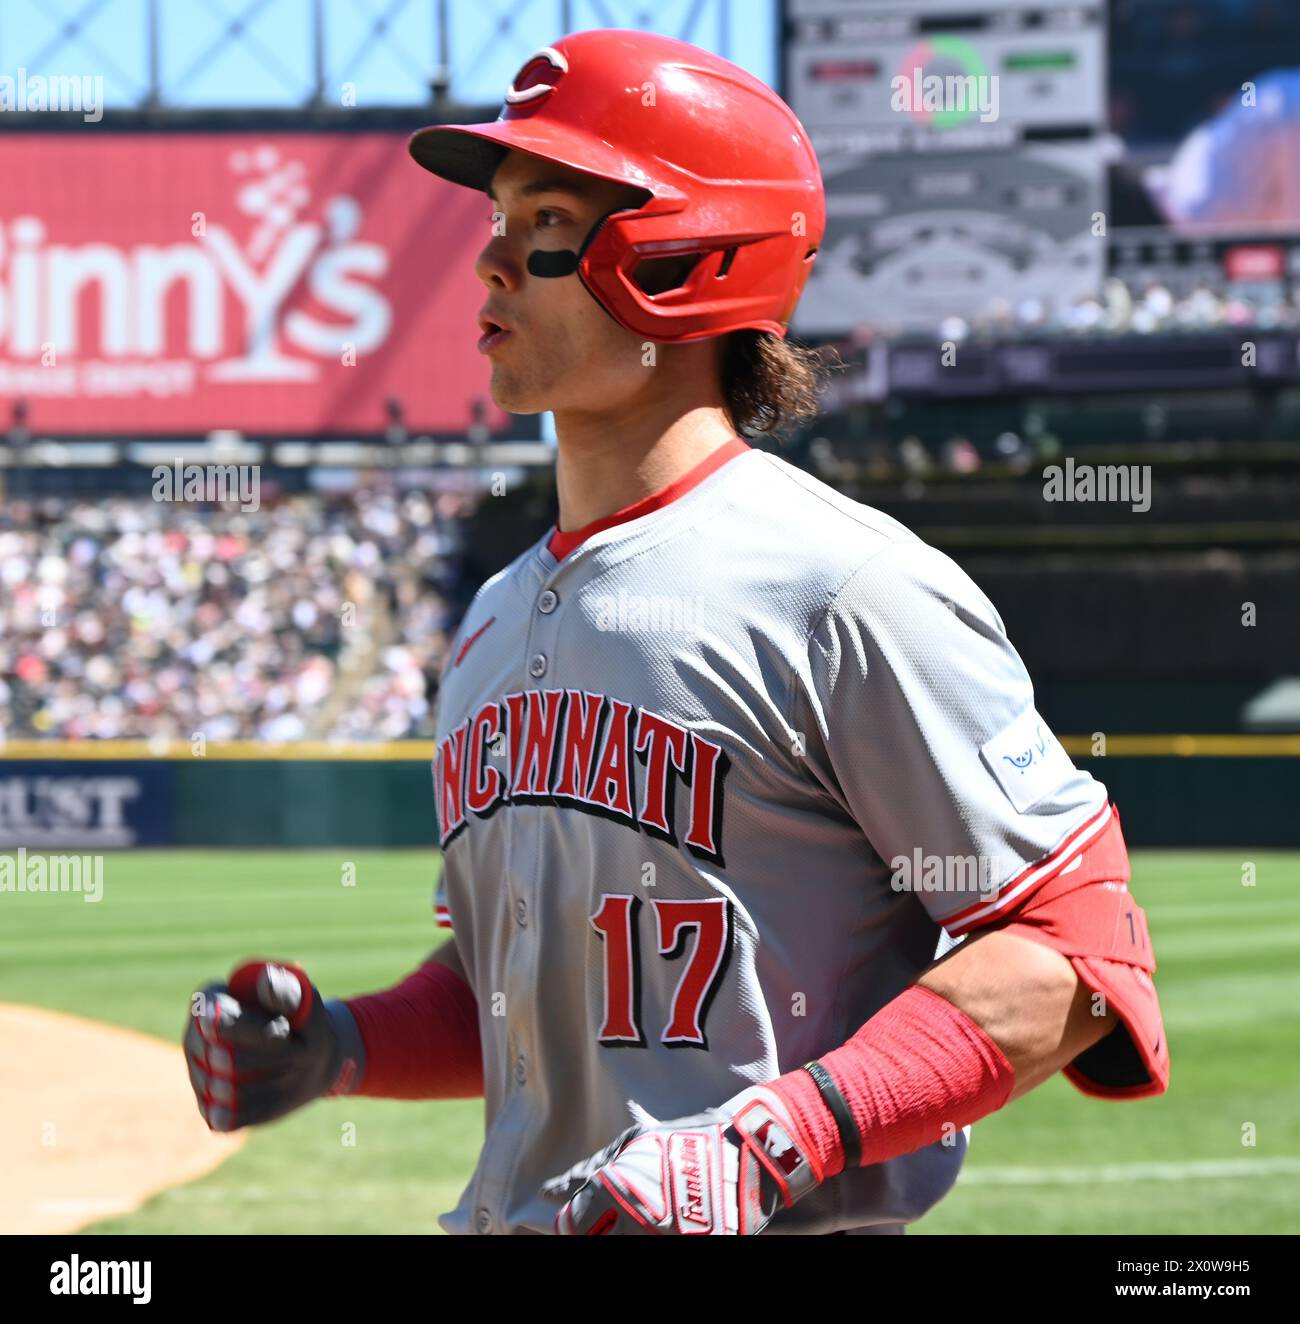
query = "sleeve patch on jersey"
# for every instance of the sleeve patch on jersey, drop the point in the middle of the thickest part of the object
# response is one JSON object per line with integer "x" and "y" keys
{"x": 1027, "y": 760}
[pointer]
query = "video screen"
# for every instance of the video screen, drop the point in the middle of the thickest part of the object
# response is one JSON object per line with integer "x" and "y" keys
{"x": 1205, "y": 98}
{"x": 1051, "y": 166}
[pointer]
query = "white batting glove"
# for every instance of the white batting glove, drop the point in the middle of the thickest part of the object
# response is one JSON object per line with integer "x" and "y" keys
{"x": 724, "y": 1172}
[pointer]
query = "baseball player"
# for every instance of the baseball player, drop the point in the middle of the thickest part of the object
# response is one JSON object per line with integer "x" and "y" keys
{"x": 725, "y": 761}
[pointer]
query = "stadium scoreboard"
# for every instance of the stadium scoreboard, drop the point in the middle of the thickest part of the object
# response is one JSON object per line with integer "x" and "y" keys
{"x": 963, "y": 151}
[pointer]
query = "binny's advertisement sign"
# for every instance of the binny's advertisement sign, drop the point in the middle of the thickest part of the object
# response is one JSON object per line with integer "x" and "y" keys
{"x": 284, "y": 283}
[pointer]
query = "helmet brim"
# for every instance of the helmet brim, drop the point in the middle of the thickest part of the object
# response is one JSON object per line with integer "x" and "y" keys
{"x": 469, "y": 154}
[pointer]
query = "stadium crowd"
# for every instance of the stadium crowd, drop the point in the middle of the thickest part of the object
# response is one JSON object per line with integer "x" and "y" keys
{"x": 313, "y": 617}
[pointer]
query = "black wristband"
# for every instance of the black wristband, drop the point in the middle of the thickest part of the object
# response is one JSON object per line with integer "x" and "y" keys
{"x": 850, "y": 1137}
{"x": 349, "y": 1063}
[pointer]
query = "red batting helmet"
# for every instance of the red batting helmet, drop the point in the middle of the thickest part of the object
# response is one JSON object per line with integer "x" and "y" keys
{"x": 731, "y": 175}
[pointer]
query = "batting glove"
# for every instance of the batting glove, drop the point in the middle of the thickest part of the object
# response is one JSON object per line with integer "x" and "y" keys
{"x": 265, "y": 1044}
{"x": 724, "y": 1172}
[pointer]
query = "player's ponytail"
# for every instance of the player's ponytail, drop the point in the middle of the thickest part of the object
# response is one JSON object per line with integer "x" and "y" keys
{"x": 771, "y": 385}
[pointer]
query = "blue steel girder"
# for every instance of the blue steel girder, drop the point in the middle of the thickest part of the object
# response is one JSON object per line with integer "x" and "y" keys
{"x": 451, "y": 55}
{"x": 380, "y": 33}
{"x": 237, "y": 31}
{"x": 72, "y": 30}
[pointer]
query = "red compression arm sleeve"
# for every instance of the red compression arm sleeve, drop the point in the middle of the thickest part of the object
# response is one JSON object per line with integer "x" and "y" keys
{"x": 918, "y": 1064}
{"x": 421, "y": 1038}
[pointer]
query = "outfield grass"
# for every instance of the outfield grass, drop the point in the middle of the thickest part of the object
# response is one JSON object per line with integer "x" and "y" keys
{"x": 1055, "y": 1161}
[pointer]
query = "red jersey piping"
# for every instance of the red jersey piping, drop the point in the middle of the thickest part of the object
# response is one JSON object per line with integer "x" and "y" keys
{"x": 560, "y": 544}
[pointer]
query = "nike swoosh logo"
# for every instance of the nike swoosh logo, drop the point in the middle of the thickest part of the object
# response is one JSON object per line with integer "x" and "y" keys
{"x": 473, "y": 639}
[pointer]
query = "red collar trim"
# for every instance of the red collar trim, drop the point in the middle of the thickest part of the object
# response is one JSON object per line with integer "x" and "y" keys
{"x": 560, "y": 544}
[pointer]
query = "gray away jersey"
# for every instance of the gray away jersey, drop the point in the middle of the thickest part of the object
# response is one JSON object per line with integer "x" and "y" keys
{"x": 710, "y": 790}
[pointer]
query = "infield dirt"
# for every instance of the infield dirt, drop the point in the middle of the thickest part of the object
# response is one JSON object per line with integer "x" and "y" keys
{"x": 96, "y": 1120}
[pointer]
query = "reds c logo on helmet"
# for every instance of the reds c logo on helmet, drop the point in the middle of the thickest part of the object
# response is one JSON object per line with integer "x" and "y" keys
{"x": 544, "y": 66}
{"x": 728, "y": 172}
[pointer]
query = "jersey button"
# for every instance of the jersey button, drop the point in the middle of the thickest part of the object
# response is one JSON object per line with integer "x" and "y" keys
{"x": 537, "y": 665}
{"x": 521, "y": 913}
{"x": 547, "y": 602}
{"x": 484, "y": 1221}
{"x": 521, "y": 1070}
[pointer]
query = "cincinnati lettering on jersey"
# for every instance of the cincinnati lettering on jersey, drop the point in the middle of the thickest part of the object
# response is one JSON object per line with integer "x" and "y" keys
{"x": 583, "y": 751}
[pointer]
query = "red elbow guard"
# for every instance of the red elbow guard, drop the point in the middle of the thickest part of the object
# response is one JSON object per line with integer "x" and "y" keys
{"x": 1103, "y": 931}
{"x": 921, "y": 1063}
{"x": 1088, "y": 915}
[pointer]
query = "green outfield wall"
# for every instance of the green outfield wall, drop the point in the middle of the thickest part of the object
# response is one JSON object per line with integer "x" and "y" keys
{"x": 1170, "y": 791}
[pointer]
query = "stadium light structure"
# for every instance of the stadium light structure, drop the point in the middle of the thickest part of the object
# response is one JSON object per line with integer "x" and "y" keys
{"x": 19, "y": 434}
{"x": 479, "y": 433}
{"x": 444, "y": 56}
{"x": 396, "y": 433}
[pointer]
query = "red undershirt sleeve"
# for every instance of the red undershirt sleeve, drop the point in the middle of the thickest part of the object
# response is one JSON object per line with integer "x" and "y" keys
{"x": 421, "y": 1038}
